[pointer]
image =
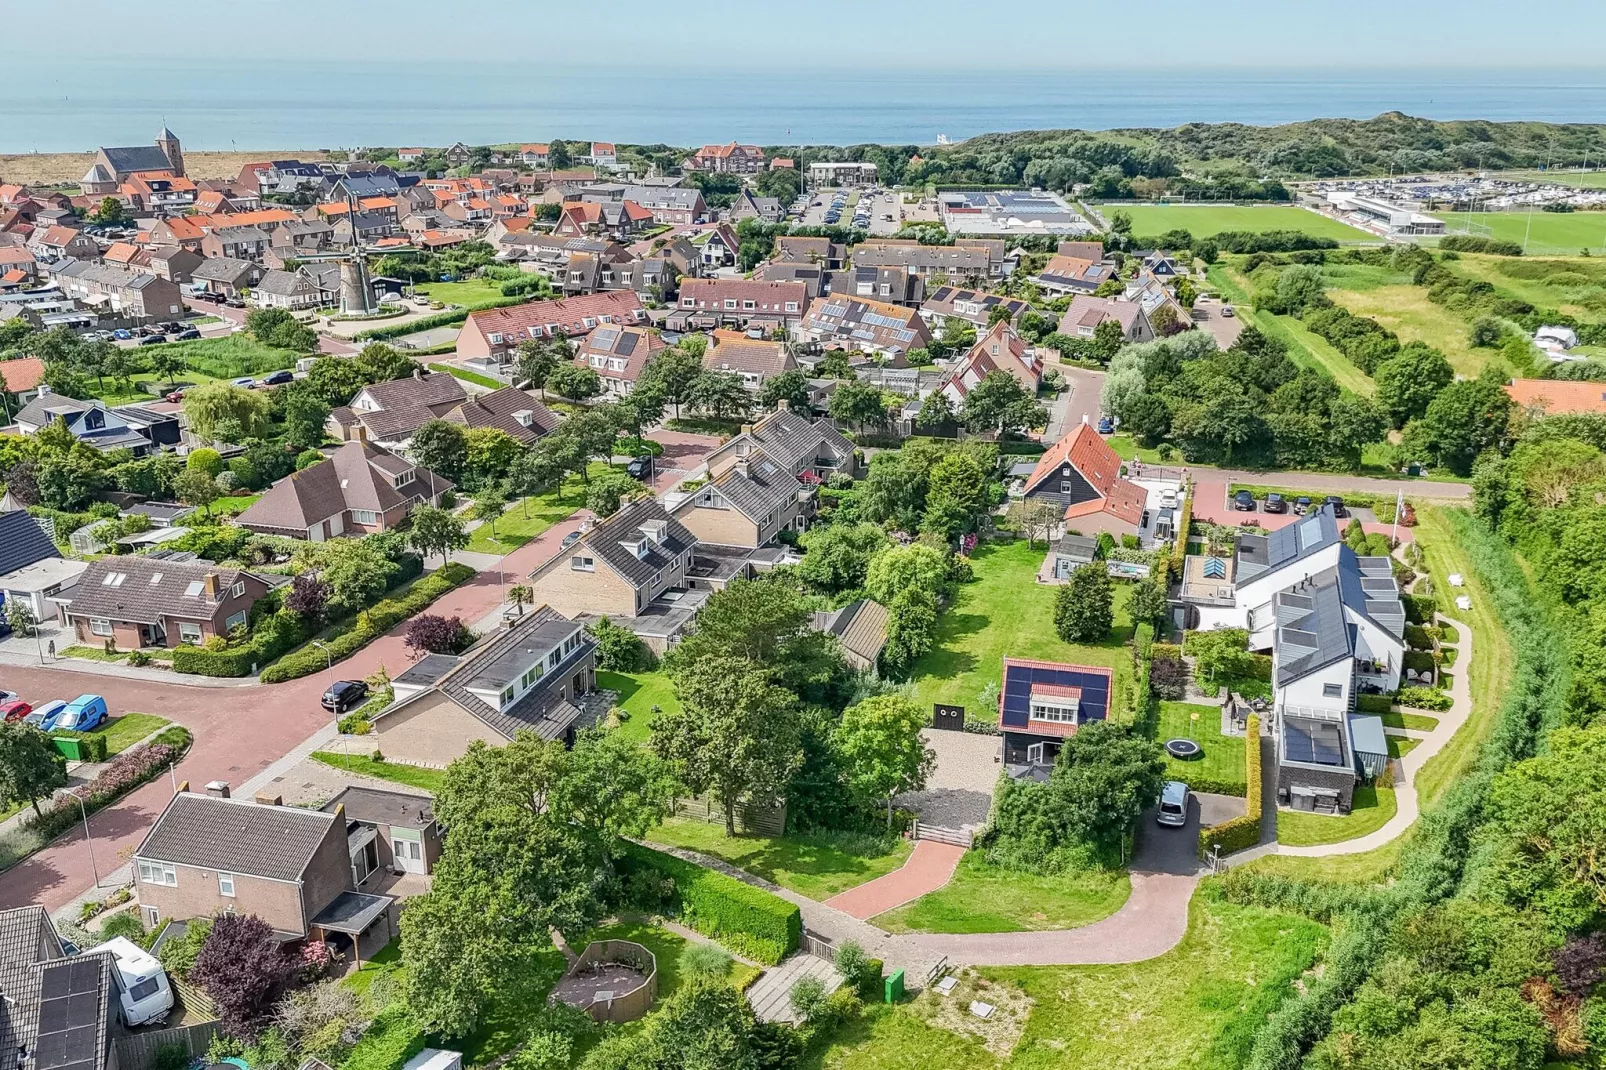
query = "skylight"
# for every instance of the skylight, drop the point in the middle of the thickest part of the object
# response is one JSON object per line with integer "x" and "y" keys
{"x": 194, "y": 589}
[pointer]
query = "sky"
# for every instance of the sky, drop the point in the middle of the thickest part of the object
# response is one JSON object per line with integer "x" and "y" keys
{"x": 839, "y": 35}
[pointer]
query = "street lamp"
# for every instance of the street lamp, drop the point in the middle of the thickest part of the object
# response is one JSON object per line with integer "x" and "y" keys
{"x": 93, "y": 868}
{"x": 330, "y": 655}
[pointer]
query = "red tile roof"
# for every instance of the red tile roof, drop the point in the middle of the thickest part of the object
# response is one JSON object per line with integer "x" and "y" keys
{"x": 21, "y": 374}
{"x": 568, "y": 314}
{"x": 1556, "y": 396}
{"x": 1097, "y": 463}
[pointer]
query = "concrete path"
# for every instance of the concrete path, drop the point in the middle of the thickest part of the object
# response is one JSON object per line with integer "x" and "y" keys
{"x": 930, "y": 866}
{"x": 1080, "y": 400}
{"x": 771, "y": 995}
{"x": 1408, "y": 806}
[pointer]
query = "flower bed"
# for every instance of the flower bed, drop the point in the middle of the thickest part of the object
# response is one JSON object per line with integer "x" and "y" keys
{"x": 122, "y": 775}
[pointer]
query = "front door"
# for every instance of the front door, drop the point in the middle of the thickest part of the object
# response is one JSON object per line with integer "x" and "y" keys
{"x": 408, "y": 847}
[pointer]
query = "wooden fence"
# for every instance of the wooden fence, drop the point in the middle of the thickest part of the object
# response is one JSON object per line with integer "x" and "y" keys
{"x": 958, "y": 837}
{"x": 137, "y": 1051}
{"x": 769, "y": 821}
{"x": 819, "y": 946}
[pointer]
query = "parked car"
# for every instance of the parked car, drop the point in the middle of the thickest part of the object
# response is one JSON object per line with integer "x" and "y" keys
{"x": 153, "y": 340}
{"x": 1301, "y": 505}
{"x": 15, "y": 710}
{"x": 639, "y": 468}
{"x": 570, "y": 539}
{"x": 343, "y": 695}
{"x": 1338, "y": 506}
{"x": 1168, "y": 499}
{"x": 1173, "y": 804}
{"x": 143, "y": 992}
{"x": 278, "y": 377}
{"x": 171, "y": 327}
{"x": 1244, "y": 502}
{"x": 8, "y": 696}
{"x": 83, "y": 714}
{"x": 1276, "y": 503}
{"x": 175, "y": 396}
{"x": 1106, "y": 426}
{"x": 45, "y": 717}
{"x": 245, "y": 382}
{"x": 122, "y": 335}
{"x": 186, "y": 334}
{"x": 1227, "y": 312}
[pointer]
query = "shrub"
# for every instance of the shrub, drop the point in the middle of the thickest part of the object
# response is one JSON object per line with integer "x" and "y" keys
{"x": 125, "y": 772}
{"x": 705, "y": 960}
{"x": 237, "y": 661}
{"x": 1243, "y": 832}
{"x": 244, "y": 968}
{"x": 748, "y": 920}
{"x": 1424, "y": 698}
{"x": 1374, "y": 703}
{"x": 1417, "y": 661}
{"x": 170, "y": 1057}
{"x": 1472, "y": 243}
{"x": 91, "y": 746}
{"x": 431, "y": 633}
{"x": 392, "y": 1039}
{"x": 368, "y": 625}
{"x": 179, "y": 955}
{"x": 1418, "y": 637}
{"x": 807, "y": 998}
{"x": 1419, "y": 609}
{"x": 125, "y": 924}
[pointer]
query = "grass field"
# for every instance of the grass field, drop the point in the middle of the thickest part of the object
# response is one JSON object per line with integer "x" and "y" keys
{"x": 638, "y": 694}
{"x": 470, "y": 293}
{"x": 1304, "y": 348}
{"x": 1204, "y": 220}
{"x": 1406, "y": 310}
{"x": 529, "y": 517}
{"x": 1400, "y": 746}
{"x": 1540, "y": 233}
{"x": 982, "y": 898}
{"x": 816, "y": 866}
{"x": 1370, "y": 811}
{"x": 1533, "y": 288}
{"x": 125, "y": 731}
{"x": 231, "y": 356}
{"x": 666, "y": 948}
{"x": 1006, "y": 612}
{"x": 1576, "y": 179}
{"x": 413, "y": 776}
{"x": 1196, "y": 1006}
{"x": 1421, "y": 722}
{"x": 1223, "y": 759}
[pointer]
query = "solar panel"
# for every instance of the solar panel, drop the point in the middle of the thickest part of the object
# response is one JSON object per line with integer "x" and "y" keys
{"x": 69, "y": 1015}
{"x": 1315, "y": 743}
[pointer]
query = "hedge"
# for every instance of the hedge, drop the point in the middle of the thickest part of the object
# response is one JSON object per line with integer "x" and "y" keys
{"x": 440, "y": 319}
{"x": 747, "y": 920}
{"x": 1418, "y": 638}
{"x": 235, "y": 661}
{"x": 1243, "y": 832}
{"x": 1424, "y": 698}
{"x": 129, "y": 770}
{"x": 1179, "y": 549}
{"x": 1417, "y": 661}
{"x": 366, "y": 626}
{"x": 1419, "y": 609}
{"x": 1374, "y": 703}
{"x": 467, "y": 376}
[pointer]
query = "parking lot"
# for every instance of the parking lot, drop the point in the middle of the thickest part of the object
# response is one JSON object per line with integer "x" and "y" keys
{"x": 1217, "y": 318}
{"x": 881, "y": 205}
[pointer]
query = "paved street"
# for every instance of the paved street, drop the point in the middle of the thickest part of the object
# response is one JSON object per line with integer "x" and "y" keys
{"x": 1074, "y": 405}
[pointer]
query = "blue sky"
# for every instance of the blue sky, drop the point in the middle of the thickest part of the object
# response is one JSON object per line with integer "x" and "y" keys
{"x": 840, "y": 34}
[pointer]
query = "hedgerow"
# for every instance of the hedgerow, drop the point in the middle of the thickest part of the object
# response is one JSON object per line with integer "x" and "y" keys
{"x": 1241, "y": 832}
{"x": 748, "y": 920}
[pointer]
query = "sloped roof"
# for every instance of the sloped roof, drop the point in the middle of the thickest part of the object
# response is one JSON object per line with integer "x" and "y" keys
{"x": 734, "y": 351}
{"x": 146, "y": 589}
{"x": 358, "y": 475}
{"x": 1088, "y": 311}
{"x": 607, "y": 541}
{"x": 1311, "y": 632}
{"x": 236, "y": 836}
{"x": 1097, "y": 463}
{"x": 861, "y": 628}
{"x": 21, "y": 374}
{"x": 1311, "y": 533}
{"x": 756, "y": 486}
{"x": 498, "y": 408}
{"x": 22, "y": 542}
{"x": 1556, "y": 396}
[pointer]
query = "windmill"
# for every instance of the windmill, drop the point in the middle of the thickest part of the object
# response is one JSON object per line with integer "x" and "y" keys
{"x": 356, "y": 292}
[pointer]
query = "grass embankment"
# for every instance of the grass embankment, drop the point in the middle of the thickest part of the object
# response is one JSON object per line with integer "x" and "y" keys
{"x": 982, "y": 898}
{"x": 1005, "y": 612}
{"x": 413, "y": 776}
{"x": 818, "y": 866}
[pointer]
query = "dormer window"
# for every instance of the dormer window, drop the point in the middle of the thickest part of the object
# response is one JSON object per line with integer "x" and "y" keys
{"x": 404, "y": 479}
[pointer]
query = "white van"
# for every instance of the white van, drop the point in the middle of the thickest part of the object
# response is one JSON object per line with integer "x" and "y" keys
{"x": 141, "y": 982}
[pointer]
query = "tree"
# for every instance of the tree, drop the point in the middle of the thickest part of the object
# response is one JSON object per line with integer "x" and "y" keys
{"x": 355, "y": 570}
{"x": 279, "y": 327}
{"x": 1109, "y": 777}
{"x": 791, "y": 386}
{"x": 610, "y": 490}
{"x": 593, "y": 433}
{"x": 533, "y": 471}
{"x": 1148, "y": 604}
{"x": 1036, "y": 519}
{"x": 1108, "y": 338}
{"x": 671, "y": 372}
{"x": 244, "y": 968}
{"x": 308, "y": 597}
{"x": 575, "y": 382}
{"x": 1220, "y": 652}
{"x": 639, "y": 409}
{"x": 431, "y": 633}
{"x": 490, "y": 453}
{"x": 956, "y": 496}
{"x": 1354, "y": 423}
{"x": 167, "y": 363}
{"x": 904, "y": 568}
{"x": 435, "y": 531}
{"x": 305, "y": 413}
{"x": 706, "y": 1025}
{"x": 878, "y": 742}
{"x": 764, "y": 623}
{"x": 937, "y": 411}
{"x": 911, "y": 628}
{"x": 1001, "y": 404}
{"x": 619, "y": 649}
{"x": 380, "y": 363}
{"x": 537, "y": 361}
{"x": 1487, "y": 332}
{"x": 30, "y": 766}
{"x": 194, "y": 487}
{"x": 110, "y": 211}
{"x": 1084, "y": 608}
{"x": 1165, "y": 322}
{"x": 736, "y": 735}
{"x": 205, "y": 459}
{"x": 442, "y": 447}
{"x": 1466, "y": 418}
{"x": 1408, "y": 382}
{"x": 336, "y": 379}
{"x": 859, "y": 404}
{"x": 489, "y": 505}
{"x": 720, "y": 394}
{"x": 222, "y": 412}
{"x": 838, "y": 556}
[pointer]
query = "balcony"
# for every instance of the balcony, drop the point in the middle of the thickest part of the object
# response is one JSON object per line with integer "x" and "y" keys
{"x": 1208, "y": 594}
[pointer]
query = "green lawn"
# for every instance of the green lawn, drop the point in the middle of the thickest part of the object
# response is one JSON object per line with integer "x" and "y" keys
{"x": 1204, "y": 220}
{"x": 1406, "y": 310}
{"x": 638, "y": 694}
{"x": 1006, "y": 612}
{"x": 1372, "y": 809}
{"x": 1534, "y": 286}
{"x": 1304, "y": 348}
{"x": 1197, "y": 1006}
{"x": 529, "y": 517}
{"x": 983, "y": 898}
{"x": 1368, "y": 867}
{"x": 125, "y": 731}
{"x": 1540, "y": 233}
{"x": 1420, "y": 722}
{"x": 412, "y": 775}
{"x": 666, "y": 948}
{"x": 1400, "y": 746}
{"x": 816, "y": 866}
{"x": 470, "y": 293}
{"x": 233, "y": 505}
{"x": 92, "y": 653}
{"x": 229, "y": 356}
{"x": 1223, "y": 760}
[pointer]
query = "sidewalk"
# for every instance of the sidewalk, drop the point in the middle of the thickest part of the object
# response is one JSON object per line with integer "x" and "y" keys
{"x": 930, "y": 866}
{"x": 122, "y": 672}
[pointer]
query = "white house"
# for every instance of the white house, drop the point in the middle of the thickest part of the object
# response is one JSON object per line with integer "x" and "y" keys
{"x": 1236, "y": 591}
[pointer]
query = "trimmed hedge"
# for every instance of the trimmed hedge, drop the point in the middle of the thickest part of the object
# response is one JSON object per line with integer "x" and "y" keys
{"x": 1374, "y": 703}
{"x": 367, "y": 626}
{"x": 1417, "y": 661}
{"x": 1424, "y": 698}
{"x": 1179, "y": 548}
{"x": 235, "y": 661}
{"x": 1240, "y": 833}
{"x": 1419, "y": 609}
{"x": 748, "y": 920}
{"x": 1418, "y": 638}
{"x": 440, "y": 319}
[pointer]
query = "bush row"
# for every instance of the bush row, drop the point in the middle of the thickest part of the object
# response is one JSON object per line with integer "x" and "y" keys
{"x": 1243, "y": 832}
{"x": 122, "y": 775}
{"x": 367, "y": 626}
{"x": 80, "y": 746}
{"x": 1418, "y": 637}
{"x": 1419, "y": 608}
{"x": 440, "y": 319}
{"x": 748, "y": 920}
{"x": 1179, "y": 548}
{"x": 1424, "y": 698}
{"x": 1472, "y": 243}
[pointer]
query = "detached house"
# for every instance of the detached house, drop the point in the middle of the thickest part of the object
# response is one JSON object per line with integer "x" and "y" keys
{"x": 708, "y": 303}
{"x": 125, "y": 427}
{"x": 390, "y": 412}
{"x": 1082, "y": 318}
{"x": 1082, "y": 474}
{"x": 359, "y": 490}
{"x": 999, "y": 350}
{"x": 756, "y": 361}
{"x": 225, "y": 276}
{"x": 1041, "y": 704}
{"x": 731, "y": 159}
{"x": 495, "y": 332}
{"x": 157, "y": 600}
{"x": 619, "y": 355}
{"x": 620, "y": 566}
{"x": 509, "y": 410}
{"x": 539, "y": 675}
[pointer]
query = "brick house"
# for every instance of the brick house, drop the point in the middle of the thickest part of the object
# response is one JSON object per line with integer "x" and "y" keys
{"x": 1000, "y": 349}
{"x": 731, "y": 159}
{"x": 56, "y": 243}
{"x": 757, "y": 362}
{"x": 240, "y": 243}
{"x": 619, "y": 355}
{"x": 496, "y": 332}
{"x": 155, "y": 600}
{"x": 359, "y": 490}
{"x": 1082, "y": 474}
{"x": 212, "y": 854}
{"x": 388, "y": 829}
{"x": 860, "y": 325}
{"x": 619, "y": 566}
{"x": 135, "y": 295}
{"x": 741, "y": 303}
{"x": 391, "y": 411}
{"x": 1082, "y": 318}
{"x": 537, "y": 675}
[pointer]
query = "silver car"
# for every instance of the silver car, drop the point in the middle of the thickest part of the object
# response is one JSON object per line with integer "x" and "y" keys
{"x": 1173, "y": 804}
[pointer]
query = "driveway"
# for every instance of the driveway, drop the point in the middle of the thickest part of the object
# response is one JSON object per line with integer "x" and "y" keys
{"x": 1210, "y": 500}
{"x": 1073, "y": 406}
{"x": 1207, "y": 317}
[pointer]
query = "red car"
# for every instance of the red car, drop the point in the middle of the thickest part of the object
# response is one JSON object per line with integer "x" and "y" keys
{"x": 15, "y": 710}
{"x": 175, "y": 396}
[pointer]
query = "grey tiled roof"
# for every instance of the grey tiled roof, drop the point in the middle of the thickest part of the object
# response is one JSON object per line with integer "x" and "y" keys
{"x": 1312, "y": 532}
{"x": 222, "y": 269}
{"x": 128, "y": 159}
{"x": 543, "y": 710}
{"x": 1311, "y": 630}
{"x": 607, "y": 540}
{"x": 22, "y": 542}
{"x": 235, "y": 836}
{"x": 1368, "y": 588}
{"x": 146, "y": 589}
{"x": 26, "y": 937}
{"x": 793, "y": 439}
{"x": 757, "y": 488}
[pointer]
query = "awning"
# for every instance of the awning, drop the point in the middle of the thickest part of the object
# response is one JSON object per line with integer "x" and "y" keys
{"x": 352, "y": 913}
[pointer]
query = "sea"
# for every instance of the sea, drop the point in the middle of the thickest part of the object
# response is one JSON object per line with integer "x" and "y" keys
{"x": 254, "y": 104}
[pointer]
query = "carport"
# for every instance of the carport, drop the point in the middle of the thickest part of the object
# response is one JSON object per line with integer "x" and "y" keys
{"x": 352, "y": 914}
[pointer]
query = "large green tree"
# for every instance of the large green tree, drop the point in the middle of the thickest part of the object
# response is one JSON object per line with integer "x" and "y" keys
{"x": 999, "y": 403}
{"x": 226, "y": 413}
{"x": 30, "y": 766}
{"x": 442, "y": 447}
{"x": 1084, "y": 607}
{"x": 435, "y": 531}
{"x": 837, "y": 556}
{"x": 1466, "y": 418}
{"x": 1408, "y": 382}
{"x": 879, "y": 744}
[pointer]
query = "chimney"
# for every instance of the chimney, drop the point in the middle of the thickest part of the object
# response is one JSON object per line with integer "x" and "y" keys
{"x": 218, "y": 789}
{"x": 1084, "y": 417}
{"x": 209, "y": 585}
{"x": 747, "y": 429}
{"x": 269, "y": 798}
{"x": 418, "y": 372}
{"x": 742, "y": 468}
{"x": 783, "y": 403}
{"x": 362, "y": 432}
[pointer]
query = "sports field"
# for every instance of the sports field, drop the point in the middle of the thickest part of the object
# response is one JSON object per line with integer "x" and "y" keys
{"x": 1206, "y": 219}
{"x": 1578, "y": 179}
{"x": 1552, "y": 233}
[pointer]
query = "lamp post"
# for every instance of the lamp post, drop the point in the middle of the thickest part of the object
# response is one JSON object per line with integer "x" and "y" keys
{"x": 330, "y": 656}
{"x": 93, "y": 868}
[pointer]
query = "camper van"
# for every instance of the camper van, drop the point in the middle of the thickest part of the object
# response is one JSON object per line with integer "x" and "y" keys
{"x": 141, "y": 982}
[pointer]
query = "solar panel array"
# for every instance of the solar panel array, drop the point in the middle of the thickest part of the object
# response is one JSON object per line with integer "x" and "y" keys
{"x": 1019, "y": 679}
{"x": 69, "y": 1014}
{"x": 1313, "y": 742}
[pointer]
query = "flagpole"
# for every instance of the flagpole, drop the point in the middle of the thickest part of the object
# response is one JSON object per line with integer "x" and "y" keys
{"x": 1399, "y": 505}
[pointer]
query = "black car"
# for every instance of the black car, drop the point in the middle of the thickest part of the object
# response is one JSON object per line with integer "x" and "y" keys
{"x": 1338, "y": 506}
{"x": 277, "y": 378}
{"x": 1276, "y": 503}
{"x": 1244, "y": 502}
{"x": 344, "y": 695}
{"x": 1301, "y": 505}
{"x": 186, "y": 334}
{"x": 639, "y": 468}
{"x": 153, "y": 340}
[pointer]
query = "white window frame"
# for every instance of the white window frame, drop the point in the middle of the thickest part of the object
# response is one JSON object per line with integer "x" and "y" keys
{"x": 582, "y": 563}
{"x": 1049, "y": 711}
{"x": 1332, "y": 691}
{"x": 364, "y": 516}
{"x": 100, "y": 626}
{"x": 238, "y": 590}
{"x": 225, "y": 885}
{"x": 162, "y": 873}
{"x": 190, "y": 632}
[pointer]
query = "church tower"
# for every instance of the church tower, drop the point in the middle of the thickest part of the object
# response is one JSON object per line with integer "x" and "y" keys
{"x": 167, "y": 141}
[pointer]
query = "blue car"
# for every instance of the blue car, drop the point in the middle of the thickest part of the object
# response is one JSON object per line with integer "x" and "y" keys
{"x": 45, "y": 717}
{"x": 122, "y": 335}
{"x": 1106, "y": 426}
{"x": 83, "y": 714}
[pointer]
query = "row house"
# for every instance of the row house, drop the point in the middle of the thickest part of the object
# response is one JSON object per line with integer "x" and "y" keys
{"x": 496, "y": 332}
{"x": 757, "y": 361}
{"x": 741, "y": 303}
{"x": 890, "y": 285}
{"x": 955, "y": 263}
{"x": 226, "y": 276}
{"x": 174, "y": 264}
{"x": 60, "y": 243}
{"x": 797, "y": 249}
{"x": 1064, "y": 275}
{"x": 860, "y": 325}
{"x": 619, "y": 220}
{"x": 731, "y": 159}
{"x": 619, "y": 355}
{"x": 281, "y": 177}
{"x": 675, "y": 205}
{"x": 177, "y": 232}
{"x": 134, "y": 295}
{"x": 973, "y": 307}
{"x": 158, "y": 193}
{"x": 236, "y": 242}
